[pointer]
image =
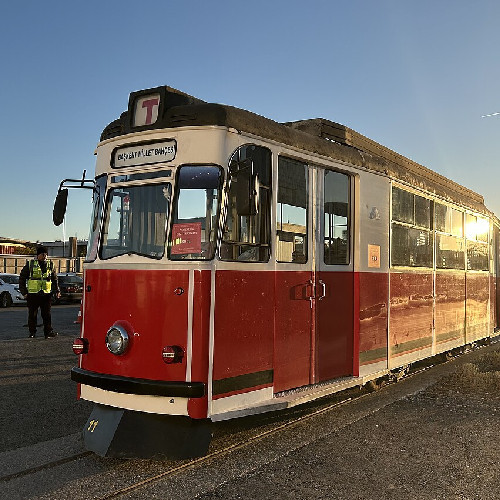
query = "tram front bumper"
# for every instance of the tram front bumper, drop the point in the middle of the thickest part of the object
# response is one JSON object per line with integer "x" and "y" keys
{"x": 127, "y": 385}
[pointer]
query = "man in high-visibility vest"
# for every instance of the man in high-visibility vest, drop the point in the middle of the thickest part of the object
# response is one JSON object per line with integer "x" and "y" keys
{"x": 37, "y": 281}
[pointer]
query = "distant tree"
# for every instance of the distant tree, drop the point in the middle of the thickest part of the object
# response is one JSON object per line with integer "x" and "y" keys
{"x": 29, "y": 250}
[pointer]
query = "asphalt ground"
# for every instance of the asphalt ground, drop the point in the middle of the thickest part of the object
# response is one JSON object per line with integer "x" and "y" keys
{"x": 37, "y": 396}
{"x": 434, "y": 435}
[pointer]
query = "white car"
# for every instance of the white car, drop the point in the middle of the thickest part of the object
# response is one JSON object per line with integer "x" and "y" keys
{"x": 9, "y": 290}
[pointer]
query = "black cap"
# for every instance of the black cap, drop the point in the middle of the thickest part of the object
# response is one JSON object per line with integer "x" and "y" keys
{"x": 41, "y": 249}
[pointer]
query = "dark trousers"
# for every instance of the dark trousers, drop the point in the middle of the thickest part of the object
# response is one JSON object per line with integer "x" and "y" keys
{"x": 42, "y": 301}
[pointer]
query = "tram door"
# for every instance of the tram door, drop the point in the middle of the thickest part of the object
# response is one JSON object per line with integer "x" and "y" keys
{"x": 314, "y": 278}
{"x": 334, "y": 277}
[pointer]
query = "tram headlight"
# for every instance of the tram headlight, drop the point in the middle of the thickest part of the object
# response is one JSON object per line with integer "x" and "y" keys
{"x": 117, "y": 340}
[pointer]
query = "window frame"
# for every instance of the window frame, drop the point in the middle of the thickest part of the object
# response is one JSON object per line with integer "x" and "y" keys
{"x": 307, "y": 193}
{"x": 448, "y": 232}
{"x": 265, "y": 224}
{"x": 97, "y": 218}
{"x": 468, "y": 242}
{"x": 409, "y": 226}
{"x": 475, "y": 241}
{"x": 349, "y": 216}
{"x": 106, "y": 215}
{"x": 174, "y": 208}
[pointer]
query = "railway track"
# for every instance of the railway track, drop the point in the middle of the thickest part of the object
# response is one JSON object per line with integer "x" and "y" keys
{"x": 247, "y": 444}
{"x": 219, "y": 450}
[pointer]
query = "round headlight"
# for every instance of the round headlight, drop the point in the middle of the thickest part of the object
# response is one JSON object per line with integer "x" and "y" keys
{"x": 117, "y": 339}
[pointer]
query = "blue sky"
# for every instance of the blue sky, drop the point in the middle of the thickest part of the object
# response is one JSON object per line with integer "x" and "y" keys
{"x": 415, "y": 76}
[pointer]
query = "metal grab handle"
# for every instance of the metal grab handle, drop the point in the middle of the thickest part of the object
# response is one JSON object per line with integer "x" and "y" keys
{"x": 323, "y": 285}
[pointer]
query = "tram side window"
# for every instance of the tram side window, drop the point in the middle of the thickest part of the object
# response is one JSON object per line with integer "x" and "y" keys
{"x": 450, "y": 247}
{"x": 412, "y": 238}
{"x": 136, "y": 220}
{"x": 247, "y": 229}
{"x": 336, "y": 218}
{"x": 291, "y": 215}
{"x": 449, "y": 220}
{"x": 476, "y": 235}
{"x": 195, "y": 213}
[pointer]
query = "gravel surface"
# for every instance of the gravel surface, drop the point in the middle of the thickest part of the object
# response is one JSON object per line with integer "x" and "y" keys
{"x": 440, "y": 443}
{"x": 37, "y": 397}
{"x": 430, "y": 436}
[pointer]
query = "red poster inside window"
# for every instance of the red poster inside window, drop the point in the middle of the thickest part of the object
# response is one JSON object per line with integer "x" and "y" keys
{"x": 186, "y": 238}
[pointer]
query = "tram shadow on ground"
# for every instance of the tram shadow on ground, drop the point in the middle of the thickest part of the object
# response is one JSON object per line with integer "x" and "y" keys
{"x": 477, "y": 379}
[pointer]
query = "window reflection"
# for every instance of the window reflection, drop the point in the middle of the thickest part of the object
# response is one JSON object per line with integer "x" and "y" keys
{"x": 247, "y": 228}
{"x": 450, "y": 247}
{"x": 291, "y": 217}
{"x": 194, "y": 223}
{"x": 412, "y": 238}
{"x": 477, "y": 235}
{"x": 136, "y": 220}
{"x": 336, "y": 217}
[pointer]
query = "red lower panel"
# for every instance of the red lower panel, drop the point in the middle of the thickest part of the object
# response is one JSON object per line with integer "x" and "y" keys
{"x": 157, "y": 315}
{"x": 497, "y": 301}
{"x": 411, "y": 312}
{"x": 477, "y": 292}
{"x": 243, "y": 330}
{"x": 201, "y": 325}
{"x": 493, "y": 302}
{"x": 263, "y": 330}
{"x": 373, "y": 317}
{"x": 197, "y": 408}
{"x": 336, "y": 326}
{"x": 292, "y": 340}
{"x": 450, "y": 306}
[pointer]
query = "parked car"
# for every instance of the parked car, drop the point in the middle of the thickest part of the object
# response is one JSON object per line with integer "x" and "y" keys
{"x": 71, "y": 287}
{"x": 9, "y": 290}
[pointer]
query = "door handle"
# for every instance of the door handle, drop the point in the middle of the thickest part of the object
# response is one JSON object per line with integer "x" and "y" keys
{"x": 323, "y": 291}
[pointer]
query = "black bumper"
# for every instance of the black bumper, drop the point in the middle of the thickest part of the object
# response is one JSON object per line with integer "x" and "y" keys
{"x": 142, "y": 386}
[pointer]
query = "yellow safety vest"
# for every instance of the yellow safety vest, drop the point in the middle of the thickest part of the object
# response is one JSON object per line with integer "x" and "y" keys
{"x": 39, "y": 281}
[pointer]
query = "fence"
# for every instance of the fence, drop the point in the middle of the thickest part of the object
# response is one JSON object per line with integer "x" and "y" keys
{"x": 13, "y": 264}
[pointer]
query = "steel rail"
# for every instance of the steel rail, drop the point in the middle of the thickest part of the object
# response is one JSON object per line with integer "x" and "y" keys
{"x": 48, "y": 465}
{"x": 198, "y": 461}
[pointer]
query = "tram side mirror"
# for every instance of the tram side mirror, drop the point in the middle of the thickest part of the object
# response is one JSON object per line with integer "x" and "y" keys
{"x": 60, "y": 207}
{"x": 247, "y": 193}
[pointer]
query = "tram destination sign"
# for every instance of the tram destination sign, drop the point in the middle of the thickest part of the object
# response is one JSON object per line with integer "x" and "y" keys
{"x": 144, "y": 154}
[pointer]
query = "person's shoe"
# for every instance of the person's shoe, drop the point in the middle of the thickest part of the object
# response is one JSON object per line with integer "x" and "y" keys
{"x": 51, "y": 334}
{"x": 32, "y": 336}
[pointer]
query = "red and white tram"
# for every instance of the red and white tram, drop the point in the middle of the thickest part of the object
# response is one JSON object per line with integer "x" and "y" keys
{"x": 233, "y": 259}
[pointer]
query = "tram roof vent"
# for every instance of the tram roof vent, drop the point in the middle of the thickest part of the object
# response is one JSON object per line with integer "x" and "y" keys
{"x": 335, "y": 132}
{"x": 325, "y": 129}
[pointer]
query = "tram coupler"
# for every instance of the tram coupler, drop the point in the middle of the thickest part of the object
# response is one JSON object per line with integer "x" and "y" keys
{"x": 119, "y": 433}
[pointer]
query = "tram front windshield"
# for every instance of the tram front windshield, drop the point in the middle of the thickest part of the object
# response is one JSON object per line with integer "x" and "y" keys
{"x": 137, "y": 216}
{"x": 136, "y": 220}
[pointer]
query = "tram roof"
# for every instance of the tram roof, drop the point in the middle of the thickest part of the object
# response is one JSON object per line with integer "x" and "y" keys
{"x": 318, "y": 135}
